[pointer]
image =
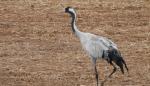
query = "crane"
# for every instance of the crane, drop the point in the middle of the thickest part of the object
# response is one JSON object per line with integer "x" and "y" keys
{"x": 97, "y": 47}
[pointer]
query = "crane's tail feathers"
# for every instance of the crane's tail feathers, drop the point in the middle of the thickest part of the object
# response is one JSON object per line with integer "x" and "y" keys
{"x": 114, "y": 55}
{"x": 121, "y": 63}
{"x": 125, "y": 64}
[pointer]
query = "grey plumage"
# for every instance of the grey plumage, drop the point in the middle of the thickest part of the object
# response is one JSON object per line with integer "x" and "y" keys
{"x": 97, "y": 46}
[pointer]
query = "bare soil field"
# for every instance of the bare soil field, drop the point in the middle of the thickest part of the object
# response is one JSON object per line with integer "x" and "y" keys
{"x": 38, "y": 48}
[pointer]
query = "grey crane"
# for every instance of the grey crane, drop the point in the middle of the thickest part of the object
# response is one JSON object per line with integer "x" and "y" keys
{"x": 97, "y": 47}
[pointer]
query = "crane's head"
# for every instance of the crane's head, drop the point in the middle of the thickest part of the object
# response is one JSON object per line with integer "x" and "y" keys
{"x": 70, "y": 10}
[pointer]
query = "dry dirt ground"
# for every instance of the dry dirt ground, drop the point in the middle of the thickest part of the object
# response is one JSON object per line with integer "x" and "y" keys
{"x": 37, "y": 47}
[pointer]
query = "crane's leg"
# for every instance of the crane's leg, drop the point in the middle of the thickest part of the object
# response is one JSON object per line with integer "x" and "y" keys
{"x": 96, "y": 74}
{"x": 95, "y": 70}
{"x": 114, "y": 70}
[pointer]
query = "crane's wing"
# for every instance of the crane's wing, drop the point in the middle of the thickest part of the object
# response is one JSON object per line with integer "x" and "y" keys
{"x": 95, "y": 45}
{"x": 107, "y": 42}
{"x": 99, "y": 42}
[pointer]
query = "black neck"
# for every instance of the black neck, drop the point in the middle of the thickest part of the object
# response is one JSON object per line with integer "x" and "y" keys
{"x": 73, "y": 22}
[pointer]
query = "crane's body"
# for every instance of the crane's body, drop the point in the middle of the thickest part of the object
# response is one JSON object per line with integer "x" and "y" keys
{"x": 97, "y": 46}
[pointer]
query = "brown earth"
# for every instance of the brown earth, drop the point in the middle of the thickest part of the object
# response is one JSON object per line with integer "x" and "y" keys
{"x": 37, "y": 47}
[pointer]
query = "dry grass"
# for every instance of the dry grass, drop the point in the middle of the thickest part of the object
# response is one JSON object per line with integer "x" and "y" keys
{"x": 37, "y": 47}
